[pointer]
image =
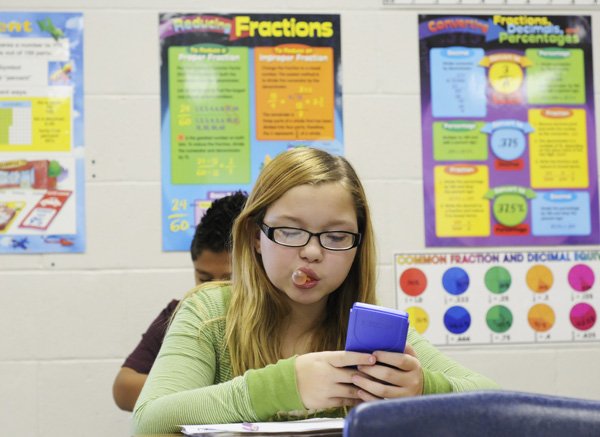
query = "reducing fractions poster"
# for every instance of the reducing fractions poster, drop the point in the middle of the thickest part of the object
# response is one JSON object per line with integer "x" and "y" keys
{"x": 236, "y": 90}
{"x": 490, "y": 298}
{"x": 508, "y": 128}
{"x": 41, "y": 133}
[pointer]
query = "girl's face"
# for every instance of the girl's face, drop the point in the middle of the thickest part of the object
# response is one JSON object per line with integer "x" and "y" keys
{"x": 315, "y": 208}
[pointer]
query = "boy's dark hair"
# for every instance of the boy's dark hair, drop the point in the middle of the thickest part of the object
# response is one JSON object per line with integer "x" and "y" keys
{"x": 214, "y": 230}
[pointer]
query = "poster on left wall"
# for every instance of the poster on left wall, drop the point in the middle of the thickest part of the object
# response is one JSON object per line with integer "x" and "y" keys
{"x": 41, "y": 133}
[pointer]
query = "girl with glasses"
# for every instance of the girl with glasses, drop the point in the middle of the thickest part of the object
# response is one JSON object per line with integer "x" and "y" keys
{"x": 269, "y": 344}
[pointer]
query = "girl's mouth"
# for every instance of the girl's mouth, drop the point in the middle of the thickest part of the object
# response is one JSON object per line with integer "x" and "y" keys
{"x": 304, "y": 278}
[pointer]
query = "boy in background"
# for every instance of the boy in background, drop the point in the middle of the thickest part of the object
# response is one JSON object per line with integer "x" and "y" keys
{"x": 211, "y": 256}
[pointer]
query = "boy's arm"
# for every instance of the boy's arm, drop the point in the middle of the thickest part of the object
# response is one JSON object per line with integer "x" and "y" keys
{"x": 127, "y": 387}
{"x": 132, "y": 375}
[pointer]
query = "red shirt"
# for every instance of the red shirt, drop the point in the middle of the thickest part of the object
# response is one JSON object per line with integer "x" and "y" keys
{"x": 143, "y": 356}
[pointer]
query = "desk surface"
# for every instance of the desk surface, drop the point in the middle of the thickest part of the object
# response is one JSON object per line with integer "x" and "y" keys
{"x": 323, "y": 433}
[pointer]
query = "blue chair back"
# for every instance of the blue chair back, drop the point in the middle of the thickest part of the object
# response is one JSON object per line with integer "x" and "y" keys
{"x": 476, "y": 414}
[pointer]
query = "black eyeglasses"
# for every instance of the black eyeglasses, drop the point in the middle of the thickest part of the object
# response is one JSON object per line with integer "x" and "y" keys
{"x": 296, "y": 237}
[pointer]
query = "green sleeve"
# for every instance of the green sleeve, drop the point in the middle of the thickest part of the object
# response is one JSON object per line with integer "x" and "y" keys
{"x": 273, "y": 388}
{"x": 442, "y": 374}
{"x": 182, "y": 387}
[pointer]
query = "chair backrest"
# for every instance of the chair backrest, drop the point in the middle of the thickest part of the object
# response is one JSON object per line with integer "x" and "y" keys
{"x": 476, "y": 414}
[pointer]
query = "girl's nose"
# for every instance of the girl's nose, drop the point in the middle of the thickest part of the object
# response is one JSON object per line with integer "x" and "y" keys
{"x": 313, "y": 251}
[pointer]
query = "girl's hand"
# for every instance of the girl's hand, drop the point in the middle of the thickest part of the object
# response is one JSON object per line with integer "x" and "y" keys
{"x": 325, "y": 382}
{"x": 404, "y": 378}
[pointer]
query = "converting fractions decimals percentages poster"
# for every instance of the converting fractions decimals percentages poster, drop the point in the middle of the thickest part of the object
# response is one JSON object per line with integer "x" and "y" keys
{"x": 467, "y": 298}
{"x": 236, "y": 90}
{"x": 508, "y": 127}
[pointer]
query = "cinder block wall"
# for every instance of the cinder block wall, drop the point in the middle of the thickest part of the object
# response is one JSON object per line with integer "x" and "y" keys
{"x": 67, "y": 321}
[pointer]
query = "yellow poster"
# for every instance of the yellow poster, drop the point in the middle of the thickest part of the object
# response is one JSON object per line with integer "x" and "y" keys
{"x": 558, "y": 148}
{"x": 462, "y": 209}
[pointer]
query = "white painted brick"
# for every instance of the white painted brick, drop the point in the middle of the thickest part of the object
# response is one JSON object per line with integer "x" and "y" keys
{"x": 75, "y": 398}
{"x": 570, "y": 371}
{"x": 121, "y": 53}
{"x": 123, "y": 148}
{"x": 359, "y": 54}
{"x": 71, "y": 315}
{"x": 397, "y": 210}
{"x": 539, "y": 369}
{"x": 386, "y": 286}
{"x": 223, "y": 6}
{"x": 19, "y": 262}
{"x": 507, "y": 368}
{"x": 18, "y": 407}
{"x": 19, "y": 318}
{"x": 398, "y": 53}
{"x": 383, "y": 136}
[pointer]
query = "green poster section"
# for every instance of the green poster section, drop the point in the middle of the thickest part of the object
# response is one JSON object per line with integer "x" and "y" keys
{"x": 459, "y": 141}
{"x": 210, "y": 129}
{"x": 556, "y": 76}
{"x": 6, "y": 120}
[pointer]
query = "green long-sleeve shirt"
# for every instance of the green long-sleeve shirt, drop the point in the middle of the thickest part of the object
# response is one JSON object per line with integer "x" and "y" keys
{"x": 191, "y": 380}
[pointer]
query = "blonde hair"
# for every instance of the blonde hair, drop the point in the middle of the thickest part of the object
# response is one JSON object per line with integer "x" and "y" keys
{"x": 258, "y": 309}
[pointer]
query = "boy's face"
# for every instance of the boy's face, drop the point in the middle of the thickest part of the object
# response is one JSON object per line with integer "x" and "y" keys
{"x": 212, "y": 266}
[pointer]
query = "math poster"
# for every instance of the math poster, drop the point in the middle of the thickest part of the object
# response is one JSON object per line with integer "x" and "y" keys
{"x": 508, "y": 130}
{"x": 501, "y": 297}
{"x": 41, "y": 133}
{"x": 236, "y": 90}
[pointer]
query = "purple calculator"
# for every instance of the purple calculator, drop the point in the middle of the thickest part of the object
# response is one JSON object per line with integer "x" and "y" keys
{"x": 374, "y": 328}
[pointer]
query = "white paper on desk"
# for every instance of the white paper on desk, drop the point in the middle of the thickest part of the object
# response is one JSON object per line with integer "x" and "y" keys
{"x": 267, "y": 427}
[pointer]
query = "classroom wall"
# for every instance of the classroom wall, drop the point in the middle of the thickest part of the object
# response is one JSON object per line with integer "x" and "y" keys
{"x": 68, "y": 321}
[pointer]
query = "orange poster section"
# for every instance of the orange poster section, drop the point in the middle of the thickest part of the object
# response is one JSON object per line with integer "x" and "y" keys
{"x": 294, "y": 93}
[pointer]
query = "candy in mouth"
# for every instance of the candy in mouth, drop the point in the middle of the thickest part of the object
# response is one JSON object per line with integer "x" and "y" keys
{"x": 299, "y": 277}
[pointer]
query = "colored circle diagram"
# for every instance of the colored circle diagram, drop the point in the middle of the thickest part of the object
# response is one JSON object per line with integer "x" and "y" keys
{"x": 510, "y": 209}
{"x": 499, "y": 319}
{"x": 506, "y": 77}
{"x": 581, "y": 277}
{"x": 583, "y": 316}
{"x": 539, "y": 278}
{"x": 457, "y": 320}
{"x": 497, "y": 279}
{"x": 455, "y": 280}
{"x": 541, "y": 317}
{"x": 508, "y": 144}
{"x": 419, "y": 319}
{"x": 413, "y": 282}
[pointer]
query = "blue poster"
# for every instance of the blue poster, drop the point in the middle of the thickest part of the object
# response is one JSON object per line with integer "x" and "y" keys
{"x": 41, "y": 133}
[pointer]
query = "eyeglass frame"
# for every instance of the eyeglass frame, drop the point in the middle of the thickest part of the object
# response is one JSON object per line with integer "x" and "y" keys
{"x": 269, "y": 231}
